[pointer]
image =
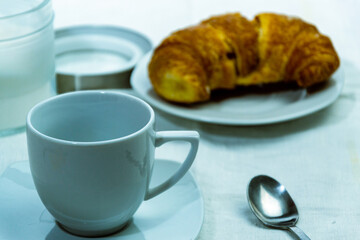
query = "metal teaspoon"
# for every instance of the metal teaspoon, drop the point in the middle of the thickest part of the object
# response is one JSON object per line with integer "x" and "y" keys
{"x": 273, "y": 205}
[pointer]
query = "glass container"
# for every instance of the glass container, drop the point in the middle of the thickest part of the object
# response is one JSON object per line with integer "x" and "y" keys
{"x": 27, "y": 64}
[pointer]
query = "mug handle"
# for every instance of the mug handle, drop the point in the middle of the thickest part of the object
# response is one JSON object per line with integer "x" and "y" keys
{"x": 167, "y": 136}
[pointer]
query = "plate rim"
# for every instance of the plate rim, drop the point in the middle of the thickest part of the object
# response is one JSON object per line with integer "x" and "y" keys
{"x": 164, "y": 106}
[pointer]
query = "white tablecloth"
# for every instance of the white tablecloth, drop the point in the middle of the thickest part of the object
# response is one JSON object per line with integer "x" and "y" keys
{"x": 316, "y": 157}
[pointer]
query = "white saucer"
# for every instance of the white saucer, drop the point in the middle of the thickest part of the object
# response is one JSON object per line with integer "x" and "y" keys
{"x": 175, "y": 214}
{"x": 248, "y": 109}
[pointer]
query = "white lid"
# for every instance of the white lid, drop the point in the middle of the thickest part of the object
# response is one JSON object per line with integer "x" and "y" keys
{"x": 85, "y": 54}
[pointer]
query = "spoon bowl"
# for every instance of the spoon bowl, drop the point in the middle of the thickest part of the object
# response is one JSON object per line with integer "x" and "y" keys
{"x": 272, "y": 204}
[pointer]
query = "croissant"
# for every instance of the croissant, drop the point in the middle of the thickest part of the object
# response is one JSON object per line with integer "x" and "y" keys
{"x": 228, "y": 50}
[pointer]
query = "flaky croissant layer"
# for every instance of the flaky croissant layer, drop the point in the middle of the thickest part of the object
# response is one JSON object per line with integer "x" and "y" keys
{"x": 226, "y": 51}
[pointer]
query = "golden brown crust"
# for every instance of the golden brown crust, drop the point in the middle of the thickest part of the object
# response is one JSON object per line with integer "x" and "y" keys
{"x": 241, "y": 37}
{"x": 176, "y": 81}
{"x": 291, "y": 50}
{"x": 228, "y": 50}
{"x": 200, "y": 62}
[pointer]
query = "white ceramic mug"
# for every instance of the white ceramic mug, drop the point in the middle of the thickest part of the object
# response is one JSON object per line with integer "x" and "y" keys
{"x": 91, "y": 157}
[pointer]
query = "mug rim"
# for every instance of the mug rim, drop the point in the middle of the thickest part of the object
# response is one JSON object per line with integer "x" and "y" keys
{"x": 30, "y": 127}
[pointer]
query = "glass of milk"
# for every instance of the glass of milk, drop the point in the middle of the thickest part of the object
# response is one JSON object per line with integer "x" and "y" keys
{"x": 27, "y": 65}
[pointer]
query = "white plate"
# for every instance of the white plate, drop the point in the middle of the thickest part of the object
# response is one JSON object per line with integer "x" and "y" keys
{"x": 174, "y": 214}
{"x": 249, "y": 109}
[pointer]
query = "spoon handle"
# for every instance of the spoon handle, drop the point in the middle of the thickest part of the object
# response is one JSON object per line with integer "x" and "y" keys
{"x": 299, "y": 233}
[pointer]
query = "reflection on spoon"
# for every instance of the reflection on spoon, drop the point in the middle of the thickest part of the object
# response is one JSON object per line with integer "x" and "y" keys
{"x": 272, "y": 205}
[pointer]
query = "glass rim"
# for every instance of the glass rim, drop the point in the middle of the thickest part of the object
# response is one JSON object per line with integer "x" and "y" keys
{"x": 34, "y": 9}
